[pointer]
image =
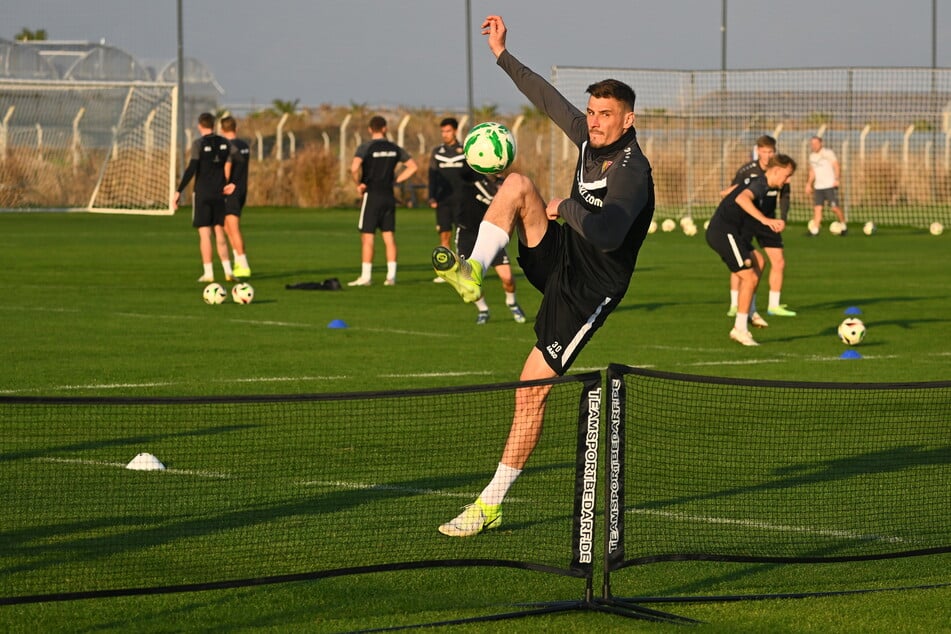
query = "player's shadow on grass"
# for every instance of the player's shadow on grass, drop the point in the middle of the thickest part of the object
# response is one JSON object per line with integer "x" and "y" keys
{"x": 832, "y": 331}
{"x": 862, "y": 302}
{"x": 31, "y": 548}
{"x": 811, "y": 473}
{"x": 134, "y": 443}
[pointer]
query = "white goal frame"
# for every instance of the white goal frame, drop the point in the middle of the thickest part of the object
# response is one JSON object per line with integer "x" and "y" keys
{"x": 104, "y": 147}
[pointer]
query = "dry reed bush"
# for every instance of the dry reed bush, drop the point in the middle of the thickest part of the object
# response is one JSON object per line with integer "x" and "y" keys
{"x": 28, "y": 179}
{"x": 314, "y": 175}
{"x": 669, "y": 170}
{"x": 876, "y": 182}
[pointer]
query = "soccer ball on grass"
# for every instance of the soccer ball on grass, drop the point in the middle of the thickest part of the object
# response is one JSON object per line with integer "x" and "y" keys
{"x": 852, "y": 331}
{"x": 489, "y": 148}
{"x": 242, "y": 293}
{"x": 214, "y": 293}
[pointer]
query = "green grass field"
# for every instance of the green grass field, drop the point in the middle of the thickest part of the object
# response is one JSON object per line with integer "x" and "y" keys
{"x": 108, "y": 305}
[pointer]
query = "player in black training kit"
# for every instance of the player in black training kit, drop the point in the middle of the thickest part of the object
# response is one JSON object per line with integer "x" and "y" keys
{"x": 449, "y": 182}
{"x": 373, "y": 170}
{"x": 583, "y": 267}
{"x": 730, "y": 234}
{"x": 210, "y": 164}
{"x": 234, "y": 204}
{"x": 770, "y": 241}
{"x": 472, "y": 211}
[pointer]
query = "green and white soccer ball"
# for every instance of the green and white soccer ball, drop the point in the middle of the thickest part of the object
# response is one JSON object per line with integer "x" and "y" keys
{"x": 489, "y": 148}
{"x": 852, "y": 331}
{"x": 242, "y": 293}
{"x": 214, "y": 293}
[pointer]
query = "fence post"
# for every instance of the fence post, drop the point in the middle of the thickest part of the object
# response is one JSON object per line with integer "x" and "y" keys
{"x": 280, "y": 137}
{"x": 343, "y": 147}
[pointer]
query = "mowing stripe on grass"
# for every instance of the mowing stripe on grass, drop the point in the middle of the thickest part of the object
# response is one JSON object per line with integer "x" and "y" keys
{"x": 770, "y": 527}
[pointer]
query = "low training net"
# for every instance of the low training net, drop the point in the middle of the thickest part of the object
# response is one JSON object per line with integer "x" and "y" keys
{"x": 763, "y": 471}
{"x": 267, "y": 486}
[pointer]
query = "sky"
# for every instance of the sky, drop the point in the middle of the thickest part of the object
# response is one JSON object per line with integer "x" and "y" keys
{"x": 413, "y": 53}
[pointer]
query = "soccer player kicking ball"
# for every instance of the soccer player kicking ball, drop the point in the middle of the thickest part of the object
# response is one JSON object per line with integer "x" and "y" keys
{"x": 583, "y": 266}
{"x": 730, "y": 234}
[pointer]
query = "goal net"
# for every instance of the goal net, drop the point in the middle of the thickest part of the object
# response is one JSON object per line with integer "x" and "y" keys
{"x": 87, "y": 146}
{"x": 890, "y": 129}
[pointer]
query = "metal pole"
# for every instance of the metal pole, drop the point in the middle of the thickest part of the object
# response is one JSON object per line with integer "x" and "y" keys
{"x": 469, "y": 107}
{"x": 723, "y": 37}
{"x": 181, "y": 80}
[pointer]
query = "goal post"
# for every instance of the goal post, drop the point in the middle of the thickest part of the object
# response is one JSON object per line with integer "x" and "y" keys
{"x": 106, "y": 147}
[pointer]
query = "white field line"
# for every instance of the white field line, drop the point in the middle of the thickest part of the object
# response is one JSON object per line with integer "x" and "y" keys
{"x": 783, "y": 528}
{"x": 427, "y": 375}
{"x": 333, "y": 484}
{"x": 120, "y": 465}
{"x": 340, "y": 484}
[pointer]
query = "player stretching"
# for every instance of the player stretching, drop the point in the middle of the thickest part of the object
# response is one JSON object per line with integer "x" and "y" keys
{"x": 583, "y": 267}
{"x": 730, "y": 234}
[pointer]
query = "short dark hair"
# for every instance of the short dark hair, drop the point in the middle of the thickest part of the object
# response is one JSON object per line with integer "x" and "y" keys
{"x": 781, "y": 160}
{"x": 206, "y": 120}
{"x": 450, "y": 121}
{"x": 228, "y": 123}
{"x": 766, "y": 141}
{"x": 377, "y": 123}
{"x": 614, "y": 89}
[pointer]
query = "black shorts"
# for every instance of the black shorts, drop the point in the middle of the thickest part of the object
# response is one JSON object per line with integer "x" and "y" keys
{"x": 766, "y": 237}
{"x": 465, "y": 243}
{"x": 733, "y": 247}
{"x": 234, "y": 204}
{"x": 570, "y": 312}
{"x": 822, "y": 196}
{"x": 378, "y": 211}
{"x": 445, "y": 216}
{"x": 208, "y": 212}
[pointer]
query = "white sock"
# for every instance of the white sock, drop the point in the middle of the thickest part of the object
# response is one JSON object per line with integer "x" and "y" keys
{"x": 490, "y": 240}
{"x": 739, "y": 322}
{"x": 209, "y": 271}
{"x": 774, "y": 299}
{"x": 226, "y": 265}
{"x": 241, "y": 260}
{"x": 504, "y": 478}
{"x": 482, "y": 305}
{"x": 366, "y": 268}
{"x": 734, "y": 297}
{"x": 391, "y": 270}
{"x": 510, "y": 298}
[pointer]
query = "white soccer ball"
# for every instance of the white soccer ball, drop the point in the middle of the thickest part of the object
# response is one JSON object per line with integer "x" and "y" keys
{"x": 489, "y": 148}
{"x": 214, "y": 293}
{"x": 242, "y": 293}
{"x": 836, "y": 228}
{"x": 869, "y": 228}
{"x": 653, "y": 227}
{"x": 852, "y": 331}
{"x": 813, "y": 228}
{"x": 936, "y": 228}
{"x": 686, "y": 220}
{"x": 690, "y": 229}
{"x": 668, "y": 225}
{"x": 706, "y": 225}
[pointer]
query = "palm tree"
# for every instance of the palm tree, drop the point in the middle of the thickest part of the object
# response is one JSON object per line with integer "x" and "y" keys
{"x": 26, "y": 35}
